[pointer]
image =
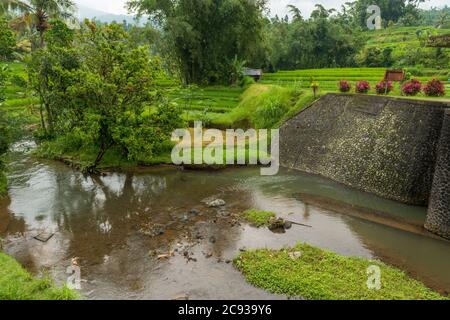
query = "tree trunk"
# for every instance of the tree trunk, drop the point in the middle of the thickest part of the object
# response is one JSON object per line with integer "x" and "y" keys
{"x": 41, "y": 113}
{"x": 101, "y": 153}
{"x": 49, "y": 117}
{"x": 41, "y": 39}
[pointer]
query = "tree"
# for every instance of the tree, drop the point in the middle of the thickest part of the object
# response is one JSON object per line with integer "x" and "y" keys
{"x": 443, "y": 20}
{"x": 204, "y": 36}
{"x": 37, "y": 13}
{"x": 49, "y": 73}
{"x": 7, "y": 40}
{"x": 376, "y": 57}
{"x": 296, "y": 13}
{"x": 324, "y": 40}
{"x": 102, "y": 93}
{"x": 391, "y": 10}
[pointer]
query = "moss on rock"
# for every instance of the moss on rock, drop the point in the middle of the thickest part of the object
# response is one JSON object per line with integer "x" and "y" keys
{"x": 259, "y": 218}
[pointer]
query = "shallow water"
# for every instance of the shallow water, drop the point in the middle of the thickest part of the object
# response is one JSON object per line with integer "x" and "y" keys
{"x": 105, "y": 222}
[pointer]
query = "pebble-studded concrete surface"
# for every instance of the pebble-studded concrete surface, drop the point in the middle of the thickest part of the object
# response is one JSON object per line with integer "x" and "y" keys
{"x": 381, "y": 145}
{"x": 438, "y": 219}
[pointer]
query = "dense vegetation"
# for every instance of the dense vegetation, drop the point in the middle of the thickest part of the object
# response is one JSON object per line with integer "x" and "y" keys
{"x": 208, "y": 40}
{"x": 106, "y": 95}
{"x": 96, "y": 92}
{"x": 328, "y": 39}
{"x": 113, "y": 93}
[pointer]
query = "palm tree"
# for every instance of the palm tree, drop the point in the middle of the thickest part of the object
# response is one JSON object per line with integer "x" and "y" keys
{"x": 36, "y": 13}
{"x": 238, "y": 68}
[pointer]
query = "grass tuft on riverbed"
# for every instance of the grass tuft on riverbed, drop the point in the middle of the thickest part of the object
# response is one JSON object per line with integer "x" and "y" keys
{"x": 258, "y": 218}
{"x": 323, "y": 275}
{"x": 17, "y": 284}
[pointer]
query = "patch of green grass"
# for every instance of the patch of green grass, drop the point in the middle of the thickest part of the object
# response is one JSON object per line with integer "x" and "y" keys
{"x": 259, "y": 218}
{"x": 17, "y": 284}
{"x": 323, "y": 275}
{"x": 71, "y": 150}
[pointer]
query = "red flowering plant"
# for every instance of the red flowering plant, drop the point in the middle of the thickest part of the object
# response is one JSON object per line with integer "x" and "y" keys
{"x": 384, "y": 87}
{"x": 434, "y": 88}
{"x": 344, "y": 86}
{"x": 362, "y": 87}
{"x": 411, "y": 88}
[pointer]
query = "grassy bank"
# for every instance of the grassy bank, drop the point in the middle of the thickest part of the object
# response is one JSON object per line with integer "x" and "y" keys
{"x": 18, "y": 284}
{"x": 316, "y": 274}
{"x": 264, "y": 106}
{"x": 81, "y": 155}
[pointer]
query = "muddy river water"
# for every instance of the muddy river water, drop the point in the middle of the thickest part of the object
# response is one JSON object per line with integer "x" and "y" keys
{"x": 118, "y": 224}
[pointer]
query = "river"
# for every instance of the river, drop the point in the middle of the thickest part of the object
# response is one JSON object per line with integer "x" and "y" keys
{"x": 106, "y": 223}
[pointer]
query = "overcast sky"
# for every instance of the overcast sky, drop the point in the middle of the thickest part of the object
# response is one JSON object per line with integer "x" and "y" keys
{"x": 276, "y": 6}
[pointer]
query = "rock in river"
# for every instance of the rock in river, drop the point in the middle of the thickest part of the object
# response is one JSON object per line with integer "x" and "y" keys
{"x": 216, "y": 203}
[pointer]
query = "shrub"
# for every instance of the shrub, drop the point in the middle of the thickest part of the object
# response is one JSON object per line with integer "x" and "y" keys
{"x": 411, "y": 88}
{"x": 434, "y": 88}
{"x": 416, "y": 71}
{"x": 246, "y": 82}
{"x": 7, "y": 40}
{"x": 384, "y": 87}
{"x": 19, "y": 81}
{"x": 344, "y": 86}
{"x": 362, "y": 87}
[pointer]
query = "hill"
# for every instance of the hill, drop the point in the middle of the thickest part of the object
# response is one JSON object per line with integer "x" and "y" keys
{"x": 89, "y": 13}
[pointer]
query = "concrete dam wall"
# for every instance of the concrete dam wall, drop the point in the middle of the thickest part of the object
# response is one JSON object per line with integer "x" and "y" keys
{"x": 395, "y": 148}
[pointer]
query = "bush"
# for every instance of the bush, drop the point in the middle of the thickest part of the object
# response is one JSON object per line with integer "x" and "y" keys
{"x": 411, "y": 88}
{"x": 434, "y": 88}
{"x": 19, "y": 81}
{"x": 416, "y": 71}
{"x": 344, "y": 86}
{"x": 7, "y": 40}
{"x": 384, "y": 87}
{"x": 362, "y": 87}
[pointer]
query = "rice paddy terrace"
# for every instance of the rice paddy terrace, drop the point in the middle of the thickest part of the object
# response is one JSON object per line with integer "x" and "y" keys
{"x": 212, "y": 102}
